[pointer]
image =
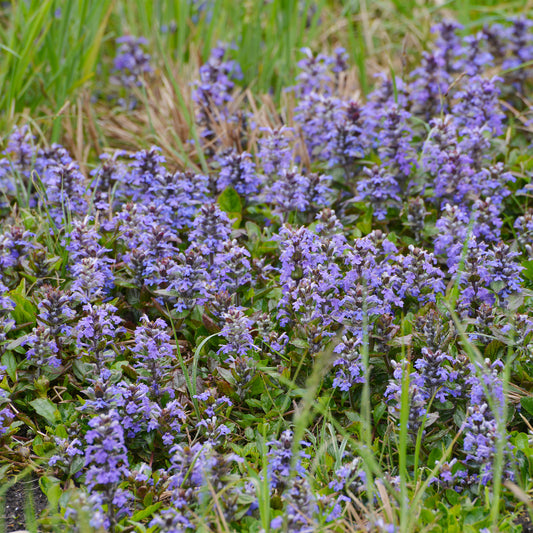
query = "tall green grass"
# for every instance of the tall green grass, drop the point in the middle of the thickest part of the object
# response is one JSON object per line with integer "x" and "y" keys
{"x": 49, "y": 50}
{"x": 52, "y": 49}
{"x": 266, "y": 36}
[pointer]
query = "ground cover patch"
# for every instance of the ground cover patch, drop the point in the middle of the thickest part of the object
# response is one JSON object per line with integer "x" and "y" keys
{"x": 306, "y": 309}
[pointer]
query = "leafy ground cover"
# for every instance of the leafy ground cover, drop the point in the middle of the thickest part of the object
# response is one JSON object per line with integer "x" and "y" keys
{"x": 253, "y": 295}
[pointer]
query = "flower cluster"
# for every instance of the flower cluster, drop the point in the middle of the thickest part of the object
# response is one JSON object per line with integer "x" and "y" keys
{"x": 131, "y": 61}
{"x": 107, "y": 465}
{"x": 152, "y": 351}
{"x": 214, "y": 90}
{"x": 167, "y": 325}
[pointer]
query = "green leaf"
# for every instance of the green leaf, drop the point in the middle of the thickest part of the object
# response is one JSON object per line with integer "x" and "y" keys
{"x": 253, "y": 231}
{"x": 452, "y": 496}
{"x": 476, "y": 516}
{"x": 51, "y": 486}
{"x": 428, "y": 516}
{"x": 148, "y": 499}
{"x": 300, "y": 343}
{"x": 434, "y": 456}
{"x": 130, "y": 371}
{"x": 515, "y": 301}
{"x": 225, "y": 373}
{"x": 379, "y": 411}
{"x": 61, "y": 431}
{"x": 46, "y": 408}
{"x": 230, "y": 202}
{"x": 521, "y": 441}
{"x": 527, "y": 404}
{"x": 24, "y": 311}
{"x": 81, "y": 369}
{"x": 404, "y": 340}
{"x": 268, "y": 247}
{"x": 253, "y": 402}
{"x": 76, "y": 465}
{"x": 458, "y": 417}
{"x": 3, "y": 471}
{"x": 365, "y": 221}
{"x": 145, "y": 513}
{"x": 493, "y": 347}
{"x": 528, "y": 269}
{"x": 27, "y": 420}
{"x": 119, "y": 282}
{"x": 17, "y": 343}
{"x": 9, "y": 361}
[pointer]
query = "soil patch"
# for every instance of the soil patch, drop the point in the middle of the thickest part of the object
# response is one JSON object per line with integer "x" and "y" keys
{"x": 14, "y": 502}
{"x": 524, "y": 521}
